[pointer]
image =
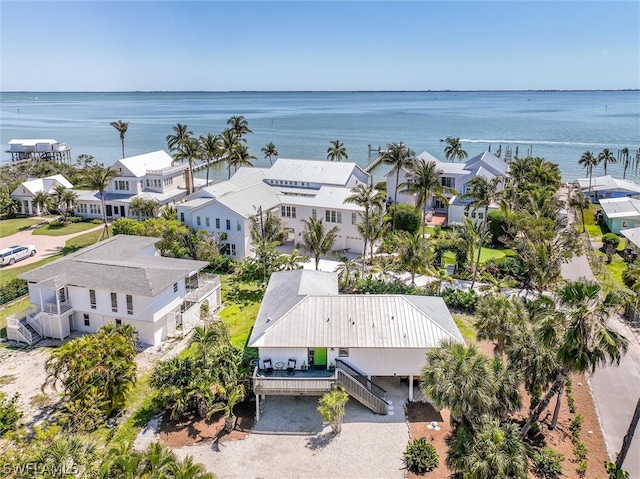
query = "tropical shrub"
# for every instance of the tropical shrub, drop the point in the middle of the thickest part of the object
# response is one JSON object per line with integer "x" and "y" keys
{"x": 576, "y": 425}
{"x": 13, "y": 289}
{"x": 9, "y": 414}
{"x": 547, "y": 463}
{"x": 420, "y": 456}
{"x": 610, "y": 242}
{"x": 408, "y": 217}
{"x": 455, "y": 298}
{"x": 498, "y": 226}
{"x": 332, "y": 408}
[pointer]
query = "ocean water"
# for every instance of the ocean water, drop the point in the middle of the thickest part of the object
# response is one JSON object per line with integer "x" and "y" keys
{"x": 556, "y": 125}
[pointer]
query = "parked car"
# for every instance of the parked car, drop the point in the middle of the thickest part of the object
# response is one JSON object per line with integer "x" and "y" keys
{"x": 15, "y": 253}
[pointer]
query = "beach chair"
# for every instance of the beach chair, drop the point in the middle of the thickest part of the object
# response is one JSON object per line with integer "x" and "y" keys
{"x": 291, "y": 367}
{"x": 268, "y": 367}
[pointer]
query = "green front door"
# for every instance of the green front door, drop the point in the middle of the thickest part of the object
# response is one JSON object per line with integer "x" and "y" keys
{"x": 320, "y": 357}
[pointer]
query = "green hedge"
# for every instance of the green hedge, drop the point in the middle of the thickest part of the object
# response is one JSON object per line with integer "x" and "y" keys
{"x": 13, "y": 289}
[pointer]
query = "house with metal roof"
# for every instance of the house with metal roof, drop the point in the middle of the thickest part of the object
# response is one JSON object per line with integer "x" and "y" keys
{"x": 310, "y": 337}
{"x": 121, "y": 280}
{"x": 455, "y": 177}
{"x": 621, "y": 213}
{"x": 286, "y": 189}
{"x": 28, "y": 189}
{"x": 603, "y": 187}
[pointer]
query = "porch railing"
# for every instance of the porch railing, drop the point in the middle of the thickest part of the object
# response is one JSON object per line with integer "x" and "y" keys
{"x": 361, "y": 378}
{"x": 359, "y": 392}
{"x": 52, "y": 308}
{"x": 206, "y": 284}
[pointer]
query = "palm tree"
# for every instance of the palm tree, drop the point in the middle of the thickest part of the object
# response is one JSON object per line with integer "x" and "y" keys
{"x": 230, "y": 145}
{"x": 345, "y": 270}
{"x": 499, "y": 319}
{"x": 122, "y": 127}
{"x": 239, "y": 125}
{"x": 72, "y": 451}
{"x": 211, "y": 149}
{"x": 189, "y": 151}
{"x": 67, "y": 201}
{"x": 292, "y": 261}
{"x": 625, "y": 158}
{"x": 487, "y": 450}
{"x": 482, "y": 193}
{"x": 585, "y": 340}
{"x": 41, "y": 200}
{"x": 400, "y": 157}
{"x": 178, "y": 138}
{"x": 579, "y": 201}
{"x": 453, "y": 151}
{"x": 270, "y": 150}
{"x": 589, "y": 161}
{"x": 337, "y": 151}
{"x": 367, "y": 197}
{"x": 241, "y": 157}
{"x": 607, "y": 157}
{"x": 423, "y": 180}
{"x": 413, "y": 254}
{"x": 99, "y": 178}
{"x": 316, "y": 239}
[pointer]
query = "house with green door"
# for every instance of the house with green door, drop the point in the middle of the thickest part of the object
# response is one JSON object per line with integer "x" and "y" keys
{"x": 310, "y": 338}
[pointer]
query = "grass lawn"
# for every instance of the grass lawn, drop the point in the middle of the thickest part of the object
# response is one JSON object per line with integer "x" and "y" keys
{"x": 465, "y": 325}
{"x": 593, "y": 228}
{"x": 242, "y": 302}
{"x": 13, "y": 226}
{"x": 67, "y": 229}
{"x": 8, "y": 311}
{"x": 485, "y": 255}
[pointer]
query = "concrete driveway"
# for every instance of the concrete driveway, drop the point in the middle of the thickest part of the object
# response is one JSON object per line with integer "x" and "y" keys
{"x": 45, "y": 245}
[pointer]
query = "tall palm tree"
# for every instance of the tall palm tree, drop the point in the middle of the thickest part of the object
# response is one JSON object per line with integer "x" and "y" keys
{"x": 423, "y": 180}
{"x": 239, "y": 125}
{"x": 499, "y": 319}
{"x": 270, "y": 150}
{"x": 67, "y": 201}
{"x": 400, "y": 157}
{"x": 453, "y": 151}
{"x": 211, "y": 149}
{"x": 241, "y": 157}
{"x": 607, "y": 157}
{"x": 190, "y": 151}
{"x": 367, "y": 197}
{"x": 337, "y": 151}
{"x": 589, "y": 161}
{"x": 176, "y": 141}
{"x": 585, "y": 340}
{"x": 413, "y": 254}
{"x": 482, "y": 193}
{"x": 231, "y": 143}
{"x": 625, "y": 159}
{"x": 580, "y": 202}
{"x": 316, "y": 239}
{"x": 122, "y": 127}
{"x": 99, "y": 178}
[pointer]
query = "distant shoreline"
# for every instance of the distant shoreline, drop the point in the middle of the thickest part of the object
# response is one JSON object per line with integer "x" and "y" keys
{"x": 330, "y": 91}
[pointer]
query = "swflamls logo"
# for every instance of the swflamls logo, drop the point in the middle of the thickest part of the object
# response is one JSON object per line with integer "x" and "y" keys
{"x": 35, "y": 469}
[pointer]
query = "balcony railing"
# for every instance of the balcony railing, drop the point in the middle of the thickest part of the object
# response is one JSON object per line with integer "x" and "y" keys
{"x": 30, "y": 311}
{"x": 165, "y": 171}
{"x": 52, "y": 308}
{"x": 301, "y": 384}
{"x": 206, "y": 284}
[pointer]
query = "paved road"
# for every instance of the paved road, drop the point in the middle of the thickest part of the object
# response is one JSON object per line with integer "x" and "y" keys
{"x": 45, "y": 245}
{"x": 615, "y": 389}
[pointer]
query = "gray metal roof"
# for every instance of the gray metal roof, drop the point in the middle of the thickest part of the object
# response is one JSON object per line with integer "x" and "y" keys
{"x": 312, "y": 171}
{"x": 621, "y": 207}
{"x": 326, "y": 197}
{"x": 317, "y": 317}
{"x": 117, "y": 265}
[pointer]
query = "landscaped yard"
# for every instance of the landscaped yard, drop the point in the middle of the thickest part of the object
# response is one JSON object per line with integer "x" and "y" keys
{"x": 485, "y": 255}
{"x": 242, "y": 302}
{"x": 66, "y": 229}
{"x": 13, "y": 226}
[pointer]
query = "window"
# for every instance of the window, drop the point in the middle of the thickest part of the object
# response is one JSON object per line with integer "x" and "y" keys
{"x": 182, "y": 217}
{"x": 85, "y": 316}
{"x": 94, "y": 209}
{"x": 147, "y": 183}
{"x": 228, "y": 225}
{"x": 198, "y": 220}
{"x": 129, "y": 304}
{"x": 448, "y": 182}
{"x": 114, "y": 303}
{"x": 122, "y": 185}
{"x": 288, "y": 211}
{"x": 175, "y": 287}
{"x": 353, "y": 218}
{"x": 473, "y": 214}
{"x": 168, "y": 181}
{"x": 218, "y": 223}
{"x": 92, "y": 298}
{"x": 229, "y": 249}
{"x": 314, "y": 214}
{"x": 118, "y": 322}
{"x": 62, "y": 294}
{"x": 238, "y": 226}
{"x": 481, "y": 215}
{"x": 343, "y": 352}
{"x": 207, "y": 222}
{"x": 333, "y": 216}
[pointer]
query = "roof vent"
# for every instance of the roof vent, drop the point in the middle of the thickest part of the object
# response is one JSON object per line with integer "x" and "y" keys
{"x": 268, "y": 319}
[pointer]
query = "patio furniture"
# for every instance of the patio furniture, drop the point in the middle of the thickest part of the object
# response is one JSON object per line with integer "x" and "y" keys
{"x": 279, "y": 367}
{"x": 291, "y": 367}
{"x": 268, "y": 367}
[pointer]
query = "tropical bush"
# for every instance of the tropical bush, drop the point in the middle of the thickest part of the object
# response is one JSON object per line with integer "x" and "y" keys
{"x": 408, "y": 217}
{"x": 9, "y": 414}
{"x": 420, "y": 456}
{"x": 547, "y": 463}
{"x": 12, "y": 289}
{"x": 455, "y": 298}
{"x": 332, "y": 408}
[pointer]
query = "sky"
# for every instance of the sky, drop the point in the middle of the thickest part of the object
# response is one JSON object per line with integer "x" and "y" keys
{"x": 322, "y": 46}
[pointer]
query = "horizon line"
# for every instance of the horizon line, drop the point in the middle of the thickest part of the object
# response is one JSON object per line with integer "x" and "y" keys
{"x": 327, "y": 91}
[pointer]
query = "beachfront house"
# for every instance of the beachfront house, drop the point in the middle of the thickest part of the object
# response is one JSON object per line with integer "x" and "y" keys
{"x": 603, "y": 187}
{"x": 28, "y": 189}
{"x": 292, "y": 189}
{"x": 38, "y": 150}
{"x": 121, "y": 280}
{"x": 154, "y": 176}
{"x": 455, "y": 177}
{"x": 309, "y": 337}
{"x": 621, "y": 213}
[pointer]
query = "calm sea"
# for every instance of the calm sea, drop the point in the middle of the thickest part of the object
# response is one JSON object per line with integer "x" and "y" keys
{"x": 558, "y": 126}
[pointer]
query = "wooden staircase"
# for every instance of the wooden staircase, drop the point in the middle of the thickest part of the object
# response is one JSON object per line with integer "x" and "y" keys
{"x": 360, "y": 388}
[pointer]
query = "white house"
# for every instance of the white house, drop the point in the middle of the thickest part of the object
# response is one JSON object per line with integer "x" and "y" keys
{"x": 121, "y": 280}
{"x": 28, "y": 189}
{"x": 603, "y": 187}
{"x": 38, "y": 149}
{"x": 152, "y": 175}
{"x": 455, "y": 176}
{"x": 324, "y": 337}
{"x": 621, "y": 213}
{"x": 292, "y": 189}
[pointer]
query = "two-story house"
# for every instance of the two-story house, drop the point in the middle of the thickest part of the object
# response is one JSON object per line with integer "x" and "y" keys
{"x": 121, "y": 280}
{"x": 28, "y": 189}
{"x": 292, "y": 189}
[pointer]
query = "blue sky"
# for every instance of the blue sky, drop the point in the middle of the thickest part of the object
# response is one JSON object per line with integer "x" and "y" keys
{"x": 303, "y": 45}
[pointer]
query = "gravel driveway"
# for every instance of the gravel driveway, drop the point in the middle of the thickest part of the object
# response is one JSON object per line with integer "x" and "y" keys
{"x": 290, "y": 441}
